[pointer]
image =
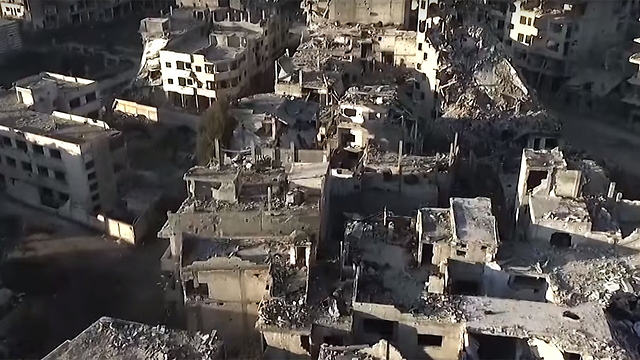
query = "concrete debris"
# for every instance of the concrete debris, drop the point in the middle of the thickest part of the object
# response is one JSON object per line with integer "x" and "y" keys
{"x": 110, "y": 338}
{"x": 483, "y": 96}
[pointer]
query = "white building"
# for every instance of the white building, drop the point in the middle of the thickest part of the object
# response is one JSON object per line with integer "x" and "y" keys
{"x": 550, "y": 41}
{"x": 63, "y": 163}
{"x": 220, "y": 58}
{"x": 10, "y": 40}
{"x": 46, "y": 92}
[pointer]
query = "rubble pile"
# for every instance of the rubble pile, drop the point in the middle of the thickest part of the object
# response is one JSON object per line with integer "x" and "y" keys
{"x": 284, "y": 313}
{"x": 117, "y": 339}
{"x": 483, "y": 96}
{"x": 593, "y": 279}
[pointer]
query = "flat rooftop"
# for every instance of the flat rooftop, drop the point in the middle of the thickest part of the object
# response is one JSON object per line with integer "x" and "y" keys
{"x": 113, "y": 339}
{"x": 196, "y": 41}
{"x": 573, "y": 329}
{"x": 18, "y": 116}
{"x": 473, "y": 221}
{"x": 42, "y": 79}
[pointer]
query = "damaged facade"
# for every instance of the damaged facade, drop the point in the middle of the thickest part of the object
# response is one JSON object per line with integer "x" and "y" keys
{"x": 61, "y": 162}
{"x": 202, "y": 54}
{"x": 241, "y": 246}
{"x": 109, "y": 338}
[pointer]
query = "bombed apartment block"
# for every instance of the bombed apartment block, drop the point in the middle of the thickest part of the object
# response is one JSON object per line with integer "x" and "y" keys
{"x": 60, "y": 162}
{"x": 386, "y": 12}
{"x": 391, "y": 300}
{"x": 240, "y": 250}
{"x": 109, "y": 338}
{"x": 566, "y": 205}
{"x": 271, "y": 120}
{"x": 203, "y": 54}
{"x": 380, "y": 179}
{"x": 46, "y": 92}
{"x": 558, "y": 34}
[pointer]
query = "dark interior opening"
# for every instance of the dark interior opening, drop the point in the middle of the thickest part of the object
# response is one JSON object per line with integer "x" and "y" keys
{"x": 572, "y": 356}
{"x": 305, "y": 342}
{"x": 560, "y": 239}
{"x": 535, "y": 178}
{"x": 383, "y": 328}
{"x": 301, "y": 256}
{"x": 334, "y": 340}
{"x": 427, "y": 254}
{"x": 429, "y": 340}
{"x": 496, "y": 347}
{"x": 200, "y": 290}
{"x": 464, "y": 287}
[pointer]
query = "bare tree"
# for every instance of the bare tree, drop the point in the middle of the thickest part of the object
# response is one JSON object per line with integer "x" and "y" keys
{"x": 216, "y": 123}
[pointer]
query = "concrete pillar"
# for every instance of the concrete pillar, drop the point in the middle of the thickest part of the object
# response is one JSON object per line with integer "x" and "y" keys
{"x": 293, "y": 152}
{"x": 269, "y": 195}
{"x": 612, "y": 190}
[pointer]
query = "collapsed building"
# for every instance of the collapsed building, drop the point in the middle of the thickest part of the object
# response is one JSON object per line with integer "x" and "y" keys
{"x": 241, "y": 246}
{"x": 271, "y": 120}
{"x": 479, "y": 94}
{"x": 109, "y": 338}
{"x": 364, "y": 12}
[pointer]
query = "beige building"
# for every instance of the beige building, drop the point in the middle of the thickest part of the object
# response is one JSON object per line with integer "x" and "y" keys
{"x": 60, "y": 162}
{"x": 240, "y": 250}
{"x": 386, "y": 12}
{"x": 550, "y": 41}
{"x": 46, "y": 92}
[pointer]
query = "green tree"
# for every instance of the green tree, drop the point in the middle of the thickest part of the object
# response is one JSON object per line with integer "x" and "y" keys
{"x": 216, "y": 123}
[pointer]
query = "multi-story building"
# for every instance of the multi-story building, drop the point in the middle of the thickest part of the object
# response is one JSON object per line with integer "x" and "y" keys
{"x": 396, "y": 12}
{"x": 217, "y": 54}
{"x": 60, "y": 162}
{"x": 46, "y": 92}
{"x": 10, "y": 40}
{"x": 52, "y": 14}
{"x": 550, "y": 41}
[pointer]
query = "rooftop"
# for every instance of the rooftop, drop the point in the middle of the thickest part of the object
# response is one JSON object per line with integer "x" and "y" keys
{"x": 297, "y": 116}
{"x": 473, "y": 221}
{"x": 44, "y": 78}
{"x": 226, "y": 41}
{"x": 573, "y": 329}
{"x": 113, "y": 339}
{"x": 60, "y": 126}
{"x": 370, "y": 95}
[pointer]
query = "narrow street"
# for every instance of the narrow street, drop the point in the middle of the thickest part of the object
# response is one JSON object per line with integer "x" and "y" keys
{"x": 606, "y": 141}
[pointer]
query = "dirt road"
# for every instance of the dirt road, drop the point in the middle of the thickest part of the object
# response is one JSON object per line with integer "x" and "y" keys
{"x": 71, "y": 276}
{"x": 619, "y": 148}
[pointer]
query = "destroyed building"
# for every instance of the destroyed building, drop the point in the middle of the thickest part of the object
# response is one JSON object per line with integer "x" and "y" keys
{"x": 61, "y": 162}
{"x": 552, "y": 41}
{"x": 478, "y": 92}
{"x": 109, "y": 338}
{"x": 397, "y": 12}
{"x": 201, "y": 54}
{"x": 241, "y": 246}
{"x": 565, "y": 205}
{"x": 46, "y": 92}
{"x": 271, "y": 120}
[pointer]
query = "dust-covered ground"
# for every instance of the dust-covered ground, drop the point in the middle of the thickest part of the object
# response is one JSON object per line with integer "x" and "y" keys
{"x": 71, "y": 276}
